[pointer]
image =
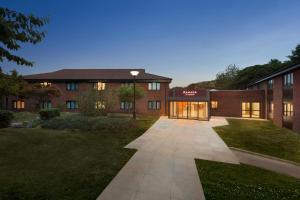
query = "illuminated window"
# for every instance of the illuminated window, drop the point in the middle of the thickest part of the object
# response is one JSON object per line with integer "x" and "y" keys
{"x": 288, "y": 109}
{"x": 99, "y": 86}
{"x": 72, "y": 86}
{"x": 255, "y": 109}
{"x": 246, "y": 109}
{"x": 45, "y": 84}
{"x": 154, "y": 86}
{"x": 251, "y": 109}
{"x": 71, "y": 104}
{"x": 100, "y": 105}
{"x": 214, "y": 104}
{"x": 46, "y": 104}
{"x": 288, "y": 80}
{"x": 19, "y": 104}
{"x": 154, "y": 105}
{"x": 125, "y": 105}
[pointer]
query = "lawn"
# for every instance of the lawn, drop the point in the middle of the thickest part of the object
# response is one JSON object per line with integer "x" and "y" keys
{"x": 228, "y": 181}
{"x": 62, "y": 164}
{"x": 261, "y": 137}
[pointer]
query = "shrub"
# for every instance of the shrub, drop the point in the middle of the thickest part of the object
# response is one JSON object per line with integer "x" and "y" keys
{"x": 5, "y": 118}
{"x": 88, "y": 123}
{"x": 46, "y": 114}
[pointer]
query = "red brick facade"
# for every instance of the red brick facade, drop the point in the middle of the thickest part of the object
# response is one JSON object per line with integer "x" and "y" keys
{"x": 230, "y": 102}
{"x": 141, "y": 104}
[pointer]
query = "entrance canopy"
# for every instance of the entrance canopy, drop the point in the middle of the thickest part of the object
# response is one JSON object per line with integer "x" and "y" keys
{"x": 189, "y": 104}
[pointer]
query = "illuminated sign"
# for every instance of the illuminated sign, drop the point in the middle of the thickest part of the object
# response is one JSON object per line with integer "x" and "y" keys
{"x": 189, "y": 93}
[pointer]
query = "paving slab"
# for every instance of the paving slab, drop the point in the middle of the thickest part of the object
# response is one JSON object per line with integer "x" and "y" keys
{"x": 164, "y": 165}
{"x": 269, "y": 164}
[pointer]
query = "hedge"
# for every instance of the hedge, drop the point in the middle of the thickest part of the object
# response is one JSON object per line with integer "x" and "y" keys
{"x": 5, "y": 118}
{"x": 46, "y": 114}
{"x": 81, "y": 122}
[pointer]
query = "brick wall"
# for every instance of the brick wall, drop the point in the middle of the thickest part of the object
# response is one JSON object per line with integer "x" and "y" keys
{"x": 141, "y": 104}
{"x": 296, "y": 101}
{"x": 230, "y": 101}
{"x": 277, "y": 99}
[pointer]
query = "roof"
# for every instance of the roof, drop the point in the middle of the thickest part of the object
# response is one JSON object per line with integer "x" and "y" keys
{"x": 95, "y": 74}
{"x": 277, "y": 73}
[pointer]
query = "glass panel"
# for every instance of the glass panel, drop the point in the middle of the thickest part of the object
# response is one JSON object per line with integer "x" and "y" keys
{"x": 246, "y": 113}
{"x": 255, "y": 106}
{"x": 202, "y": 108}
{"x": 194, "y": 110}
{"x": 255, "y": 114}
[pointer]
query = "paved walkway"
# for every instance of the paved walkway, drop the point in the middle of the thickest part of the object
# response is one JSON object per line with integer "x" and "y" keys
{"x": 164, "y": 166}
{"x": 267, "y": 163}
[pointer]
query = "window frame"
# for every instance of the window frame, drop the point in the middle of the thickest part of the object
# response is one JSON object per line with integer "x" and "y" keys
{"x": 214, "y": 104}
{"x": 126, "y": 105}
{"x": 102, "y": 85}
{"x": 270, "y": 84}
{"x": 72, "y": 102}
{"x": 70, "y": 84}
{"x": 288, "y": 79}
{"x": 250, "y": 109}
{"x": 43, "y": 103}
{"x": 154, "y": 105}
{"x": 15, "y": 104}
{"x": 288, "y": 109}
{"x": 154, "y": 86}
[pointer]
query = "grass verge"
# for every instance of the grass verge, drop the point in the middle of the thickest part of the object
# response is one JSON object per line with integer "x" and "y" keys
{"x": 62, "y": 164}
{"x": 261, "y": 137}
{"x": 228, "y": 181}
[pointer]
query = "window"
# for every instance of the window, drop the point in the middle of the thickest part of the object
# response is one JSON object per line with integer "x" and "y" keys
{"x": 46, "y": 104}
{"x": 255, "y": 109}
{"x": 251, "y": 109}
{"x": 125, "y": 105}
{"x": 270, "y": 84}
{"x": 288, "y": 109}
{"x": 19, "y": 104}
{"x": 154, "y": 105}
{"x": 288, "y": 80}
{"x": 126, "y": 84}
{"x": 72, "y": 105}
{"x": 154, "y": 86}
{"x": 45, "y": 84}
{"x": 100, "y": 105}
{"x": 72, "y": 86}
{"x": 246, "y": 109}
{"x": 99, "y": 86}
{"x": 214, "y": 104}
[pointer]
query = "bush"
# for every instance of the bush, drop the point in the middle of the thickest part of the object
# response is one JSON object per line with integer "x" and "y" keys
{"x": 87, "y": 123}
{"x": 5, "y": 118}
{"x": 46, "y": 114}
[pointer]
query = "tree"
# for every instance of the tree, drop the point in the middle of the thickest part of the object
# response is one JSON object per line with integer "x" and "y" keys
{"x": 39, "y": 92}
{"x": 125, "y": 93}
{"x": 295, "y": 57}
{"x": 10, "y": 84}
{"x": 224, "y": 80}
{"x": 17, "y": 28}
{"x": 94, "y": 102}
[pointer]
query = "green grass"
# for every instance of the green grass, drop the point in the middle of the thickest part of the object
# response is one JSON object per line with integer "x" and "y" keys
{"x": 228, "y": 181}
{"x": 60, "y": 164}
{"x": 261, "y": 137}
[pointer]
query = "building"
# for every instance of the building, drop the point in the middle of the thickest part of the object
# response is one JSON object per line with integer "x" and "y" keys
{"x": 275, "y": 97}
{"x": 282, "y": 97}
{"x": 72, "y": 82}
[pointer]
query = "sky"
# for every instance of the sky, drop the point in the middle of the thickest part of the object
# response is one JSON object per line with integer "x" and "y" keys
{"x": 187, "y": 40}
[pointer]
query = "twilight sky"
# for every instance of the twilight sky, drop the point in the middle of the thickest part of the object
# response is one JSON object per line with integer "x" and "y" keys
{"x": 186, "y": 40}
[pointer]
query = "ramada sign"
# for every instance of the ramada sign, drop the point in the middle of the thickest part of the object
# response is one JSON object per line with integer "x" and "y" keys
{"x": 189, "y": 92}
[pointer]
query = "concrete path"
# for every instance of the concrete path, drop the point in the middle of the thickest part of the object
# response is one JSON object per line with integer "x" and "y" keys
{"x": 267, "y": 163}
{"x": 164, "y": 166}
